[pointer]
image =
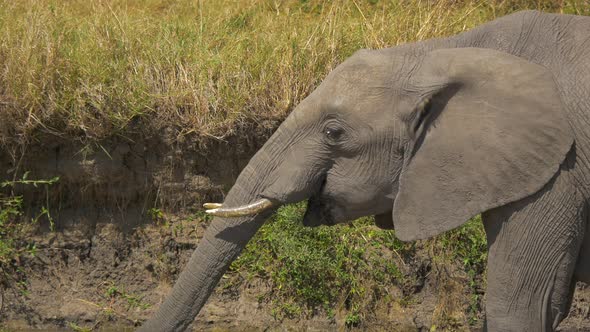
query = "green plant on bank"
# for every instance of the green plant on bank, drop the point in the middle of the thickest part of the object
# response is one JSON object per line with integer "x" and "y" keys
{"x": 467, "y": 245}
{"x": 157, "y": 216}
{"x": 346, "y": 267}
{"x": 14, "y": 228}
{"x": 133, "y": 301}
{"x": 352, "y": 319}
{"x": 12, "y": 200}
{"x": 77, "y": 328}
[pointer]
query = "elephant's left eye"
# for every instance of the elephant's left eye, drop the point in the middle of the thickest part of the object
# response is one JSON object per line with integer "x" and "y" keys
{"x": 333, "y": 134}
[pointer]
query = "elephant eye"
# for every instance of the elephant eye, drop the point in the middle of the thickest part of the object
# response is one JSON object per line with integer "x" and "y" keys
{"x": 333, "y": 134}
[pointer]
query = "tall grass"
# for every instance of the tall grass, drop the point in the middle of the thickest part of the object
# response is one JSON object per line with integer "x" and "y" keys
{"x": 91, "y": 69}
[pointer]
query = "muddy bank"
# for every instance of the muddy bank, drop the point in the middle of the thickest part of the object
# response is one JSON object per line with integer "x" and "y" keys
{"x": 127, "y": 218}
{"x": 115, "y": 279}
{"x": 119, "y": 278}
{"x": 118, "y": 179}
{"x": 108, "y": 236}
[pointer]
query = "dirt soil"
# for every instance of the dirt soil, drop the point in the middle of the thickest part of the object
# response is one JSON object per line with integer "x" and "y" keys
{"x": 117, "y": 279}
{"x": 110, "y": 262}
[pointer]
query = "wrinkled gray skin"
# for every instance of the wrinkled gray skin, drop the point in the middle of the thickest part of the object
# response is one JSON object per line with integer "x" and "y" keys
{"x": 495, "y": 120}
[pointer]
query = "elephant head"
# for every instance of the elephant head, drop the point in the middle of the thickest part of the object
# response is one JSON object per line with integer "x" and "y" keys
{"x": 422, "y": 140}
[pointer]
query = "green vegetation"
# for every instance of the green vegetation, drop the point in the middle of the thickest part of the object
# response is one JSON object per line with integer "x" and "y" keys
{"x": 133, "y": 301}
{"x": 90, "y": 70}
{"x": 467, "y": 245}
{"x": 14, "y": 229}
{"x": 75, "y": 327}
{"x": 347, "y": 268}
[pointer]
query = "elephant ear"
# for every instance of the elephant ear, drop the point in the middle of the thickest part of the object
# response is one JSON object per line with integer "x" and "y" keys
{"x": 487, "y": 129}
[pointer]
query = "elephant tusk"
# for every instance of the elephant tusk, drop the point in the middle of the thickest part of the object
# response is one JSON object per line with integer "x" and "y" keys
{"x": 209, "y": 206}
{"x": 257, "y": 207}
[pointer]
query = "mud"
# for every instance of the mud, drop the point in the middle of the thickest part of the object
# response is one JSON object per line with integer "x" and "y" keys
{"x": 112, "y": 259}
{"x": 118, "y": 278}
{"x": 115, "y": 280}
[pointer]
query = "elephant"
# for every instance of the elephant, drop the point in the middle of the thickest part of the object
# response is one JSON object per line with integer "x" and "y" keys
{"x": 424, "y": 136}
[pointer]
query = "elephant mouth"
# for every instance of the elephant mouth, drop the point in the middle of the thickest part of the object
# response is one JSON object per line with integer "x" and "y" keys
{"x": 318, "y": 209}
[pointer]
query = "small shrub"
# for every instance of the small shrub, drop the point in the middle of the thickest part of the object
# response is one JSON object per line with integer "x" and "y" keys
{"x": 343, "y": 266}
{"x": 467, "y": 245}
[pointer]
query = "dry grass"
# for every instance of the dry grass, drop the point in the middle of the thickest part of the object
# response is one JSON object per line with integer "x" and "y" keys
{"x": 92, "y": 69}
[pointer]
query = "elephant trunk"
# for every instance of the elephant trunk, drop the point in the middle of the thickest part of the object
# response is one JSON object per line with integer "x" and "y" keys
{"x": 222, "y": 243}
